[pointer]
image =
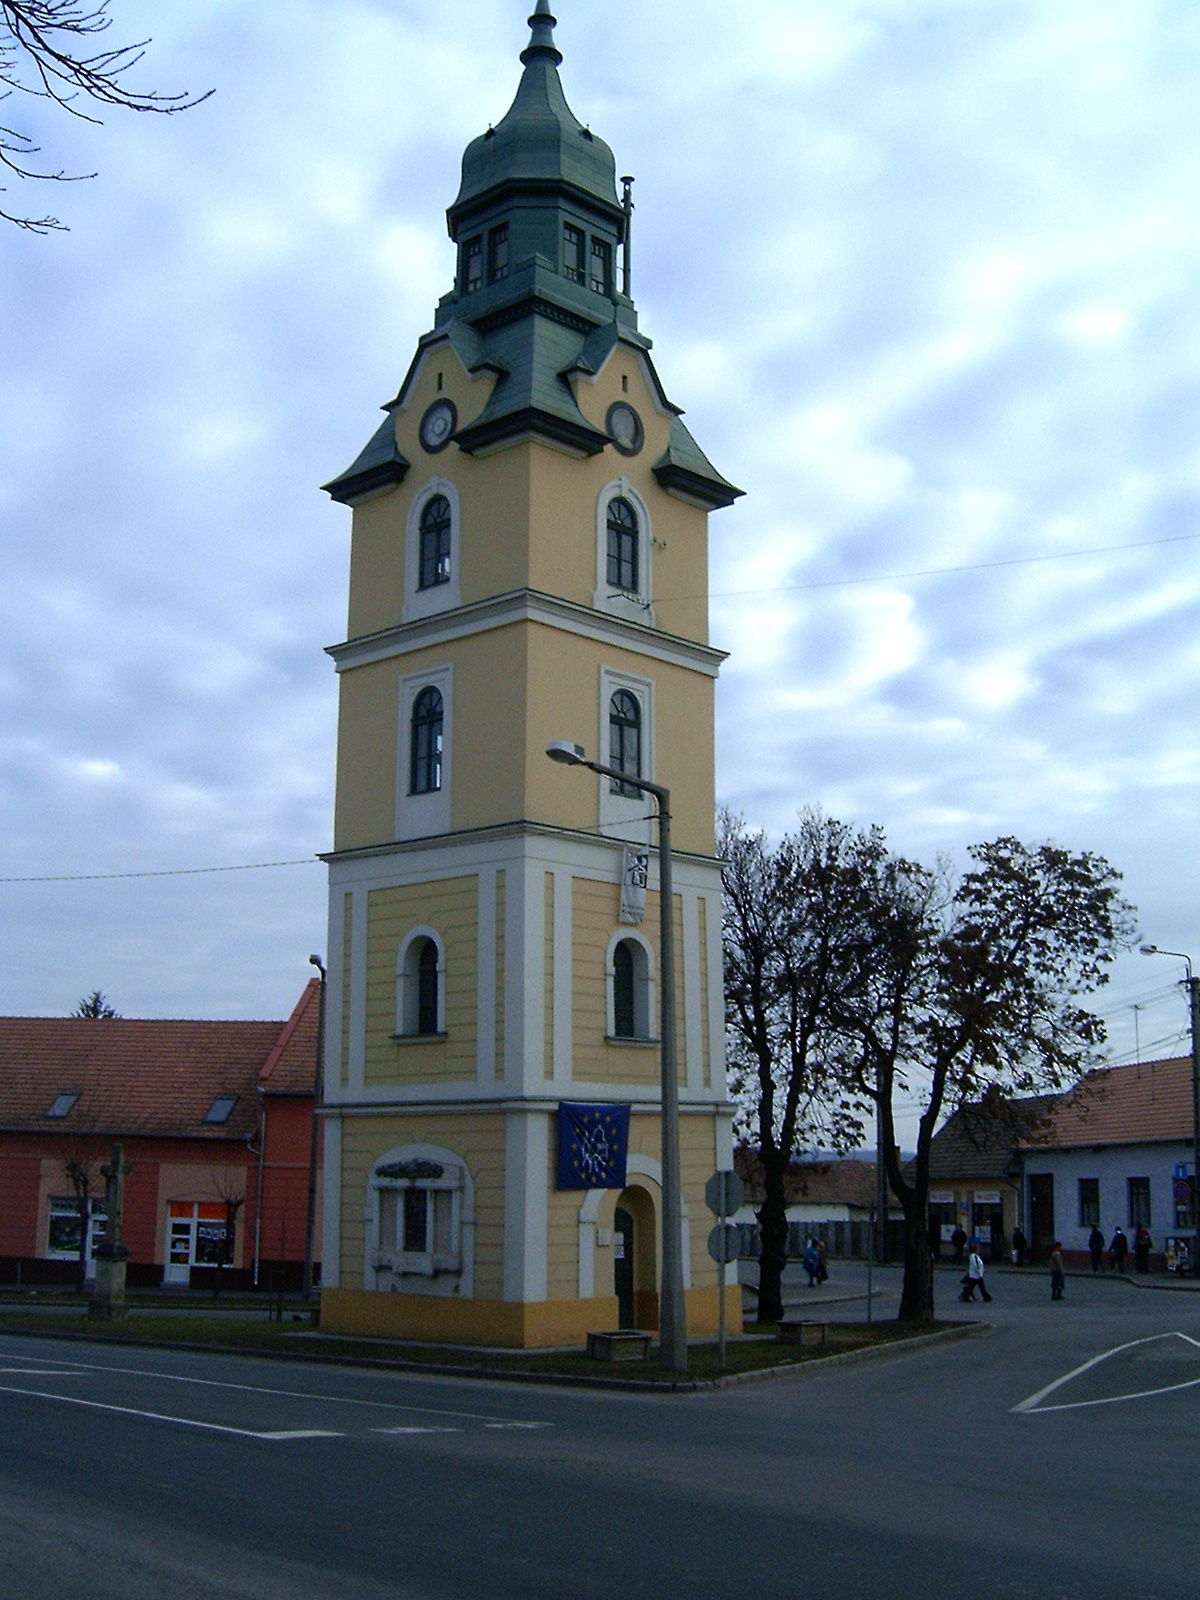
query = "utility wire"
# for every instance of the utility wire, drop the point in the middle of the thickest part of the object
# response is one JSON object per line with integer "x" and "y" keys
{"x": 930, "y": 572}
{"x": 178, "y": 872}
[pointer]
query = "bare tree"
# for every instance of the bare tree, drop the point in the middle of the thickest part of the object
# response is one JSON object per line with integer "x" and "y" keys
{"x": 796, "y": 924}
{"x": 972, "y": 995}
{"x": 81, "y": 1159}
{"x": 231, "y": 1187}
{"x": 44, "y": 52}
{"x": 95, "y": 1006}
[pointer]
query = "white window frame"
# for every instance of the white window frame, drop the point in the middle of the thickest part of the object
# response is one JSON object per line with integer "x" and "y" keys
{"x": 420, "y": 816}
{"x": 625, "y": 816}
{"x": 621, "y": 602}
{"x": 396, "y": 1268}
{"x": 441, "y": 597}
{"x": 408, "y": 984}
{"x": 645, "y": 1000}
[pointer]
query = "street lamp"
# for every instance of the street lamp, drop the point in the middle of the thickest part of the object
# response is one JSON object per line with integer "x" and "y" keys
{"x": 1193, "y": 989}
{"x": 310, "y": 1219}
{"x": 673, "y": 1318}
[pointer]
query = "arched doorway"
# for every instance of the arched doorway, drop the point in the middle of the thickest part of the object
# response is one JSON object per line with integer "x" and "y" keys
{"x": 635, "y": 1264}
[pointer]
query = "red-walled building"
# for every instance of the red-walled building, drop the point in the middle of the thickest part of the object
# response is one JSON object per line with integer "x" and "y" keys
{"x": 216, "y": 1120}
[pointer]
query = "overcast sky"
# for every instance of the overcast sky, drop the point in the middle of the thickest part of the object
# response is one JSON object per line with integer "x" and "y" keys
{"x": 923, "y": 276}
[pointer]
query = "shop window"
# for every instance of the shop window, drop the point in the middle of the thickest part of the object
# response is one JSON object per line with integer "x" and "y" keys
{"x": 1139, "y": 1202}
{"x": 64, "y": 1224}
{"x": 1089, "y": 1202}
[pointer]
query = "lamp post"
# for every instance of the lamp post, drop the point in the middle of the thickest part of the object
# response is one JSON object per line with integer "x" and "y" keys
{"x": 673, "y": 1318}
{"x": 310, "y": 1220}
{"x": 1193, "y": 989}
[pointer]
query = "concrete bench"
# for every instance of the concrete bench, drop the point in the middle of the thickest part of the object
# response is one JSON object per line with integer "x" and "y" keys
{"x": 625, "y": 1344}
{"x": 803, "y": 1332}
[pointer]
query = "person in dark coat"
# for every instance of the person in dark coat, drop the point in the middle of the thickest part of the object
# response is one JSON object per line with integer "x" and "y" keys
{"x": 958, "y": 1240}
{"x": 1096, "y": 1246}
{"x": 1119, "y": 1249}
{"x": 1020, "y": 1244}
{"x": 1142, "y": 1246}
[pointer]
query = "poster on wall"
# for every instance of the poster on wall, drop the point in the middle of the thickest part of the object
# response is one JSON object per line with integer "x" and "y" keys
{"x": 593, "y": 1142}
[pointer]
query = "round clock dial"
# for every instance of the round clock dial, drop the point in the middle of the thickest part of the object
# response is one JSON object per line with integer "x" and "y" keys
{"x": 438, "y": 425}
{"x": 625, "y": 428}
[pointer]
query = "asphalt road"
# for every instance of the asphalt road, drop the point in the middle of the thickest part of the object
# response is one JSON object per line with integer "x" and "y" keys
{"x": 972, "y": 1471}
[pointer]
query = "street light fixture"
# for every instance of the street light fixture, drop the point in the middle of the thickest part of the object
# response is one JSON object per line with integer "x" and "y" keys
{"x": 1193, "y": 989}
{"x": 673, "y": 1318}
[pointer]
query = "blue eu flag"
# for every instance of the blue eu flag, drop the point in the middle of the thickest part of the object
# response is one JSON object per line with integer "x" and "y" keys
{"x": 593, "y": 1142}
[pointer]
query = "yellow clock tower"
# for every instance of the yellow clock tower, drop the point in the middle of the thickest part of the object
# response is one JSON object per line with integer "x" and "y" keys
{"x": 528, "y": 563}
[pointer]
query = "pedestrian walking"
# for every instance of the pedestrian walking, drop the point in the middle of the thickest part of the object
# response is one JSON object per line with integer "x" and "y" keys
{"x": 1118, "y": 1249}
{"x": 1096, "y": 1246}
{"x": 1020, "y": 1244}
{"x": 1058, "y": 1275}
{"x": 812, "y": 1262}
{"x": 1142, "y": 1246}
{"x": 974, "y": 1277}
{"x": 958, "y": 1240}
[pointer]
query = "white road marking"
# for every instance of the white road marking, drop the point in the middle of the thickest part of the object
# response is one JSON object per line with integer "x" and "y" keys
{"x": 254, "y": 1388}
{"x": 159, "y": 1416}
{"x": 517, "y": 1424}
{"x": 416, "y": 1430}
{"x": 39, "y": 1372}
{"x": 1034, "y": 1402}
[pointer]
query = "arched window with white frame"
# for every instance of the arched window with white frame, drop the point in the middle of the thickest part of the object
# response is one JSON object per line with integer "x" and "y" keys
{"x": 630, "y": 989}
{"x": 432, "y": 551}
{"x": 421, "y": 986}
{"x": 426, "y": 742}
{"x": 624, "y": 544}
{"x": 434, "y": 564}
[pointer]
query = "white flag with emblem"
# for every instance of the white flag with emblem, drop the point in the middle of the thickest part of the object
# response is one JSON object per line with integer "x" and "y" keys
{"x": 633, "y": 884}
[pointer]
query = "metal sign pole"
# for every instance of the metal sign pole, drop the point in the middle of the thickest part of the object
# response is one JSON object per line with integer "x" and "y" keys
{"x": 870, "y": 1267}
{"x": 722, "y": 1269}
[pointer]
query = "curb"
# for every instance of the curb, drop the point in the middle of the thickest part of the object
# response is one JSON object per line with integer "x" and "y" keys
{"x": 785, "y": 1369}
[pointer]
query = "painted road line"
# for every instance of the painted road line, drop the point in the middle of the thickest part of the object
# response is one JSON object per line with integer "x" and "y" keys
{"x": 183, "y": 1422}
{"x": 40, "y": 1372}
{"x": 416, "y": 1430}
{"x": 255, "y": 1388}
{"x": 518, "y": 1424}
{"x": 1034, "y": 1402}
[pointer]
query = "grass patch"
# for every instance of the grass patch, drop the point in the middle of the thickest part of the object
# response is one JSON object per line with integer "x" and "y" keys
{"x": 759, "y": 1350}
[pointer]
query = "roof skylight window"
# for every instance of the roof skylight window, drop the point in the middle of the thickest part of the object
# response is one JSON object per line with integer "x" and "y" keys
{"x": 221, "y": 1109}
{"x": 63, "y": 1103}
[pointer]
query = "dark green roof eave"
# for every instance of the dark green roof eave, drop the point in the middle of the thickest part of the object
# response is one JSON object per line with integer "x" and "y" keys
{"x": 715, "y": 493}
{"x": 531, "y": 420}
{"x": 508, "y": 188}
{"x": 379, "y": 466}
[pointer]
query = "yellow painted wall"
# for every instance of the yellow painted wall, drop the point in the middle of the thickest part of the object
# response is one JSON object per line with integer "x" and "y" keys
{"x": 594, "y": 922}
{"x": 516, "y": 689}
{"x": 475, "y": 1136}
{"x": 451, "y": 908}
{"x": 537, "y": 1324}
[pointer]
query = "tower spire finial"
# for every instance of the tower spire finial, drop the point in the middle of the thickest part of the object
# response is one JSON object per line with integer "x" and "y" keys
{"x": 541, "y": 43}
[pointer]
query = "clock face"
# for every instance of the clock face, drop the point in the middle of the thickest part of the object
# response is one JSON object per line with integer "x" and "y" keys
{"x": 438, "y": 425}
{"x": 625, "y": 428}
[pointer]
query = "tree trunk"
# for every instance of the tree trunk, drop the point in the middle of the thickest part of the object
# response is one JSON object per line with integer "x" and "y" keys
{"x": 84, "y": 1210}
{"x": 916, "y": 1299}
{"x": 773, "y": 1229}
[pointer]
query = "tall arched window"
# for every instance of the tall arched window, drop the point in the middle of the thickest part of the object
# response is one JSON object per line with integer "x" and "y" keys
{"x": 435, "y": 543}
{"x": 622, "y": 546}
{"x": 630, "y": 991}
{"x": 427, "y": 988}
{"x": 625, "y": 740}
{"x": 425, "y": 761}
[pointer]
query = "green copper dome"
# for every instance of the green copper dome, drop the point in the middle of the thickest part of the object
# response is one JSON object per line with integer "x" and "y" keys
{"x": 540, "y": 141}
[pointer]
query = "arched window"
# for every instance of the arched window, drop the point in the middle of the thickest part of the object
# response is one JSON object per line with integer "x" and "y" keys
{"x": 625, "y": 740}
{"x": 427, "y": 988}
{"x": 622, "y": 546}
{"x": 435, "y": 543}
{"x": 425, "y": 761}
{"x": 419, "y": 971}
{"x": 630, "y": 990}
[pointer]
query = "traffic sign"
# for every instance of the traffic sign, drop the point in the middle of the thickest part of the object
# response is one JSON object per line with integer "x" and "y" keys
{"x": 725, "y": 1242}
{"x": 723, "y": 1194}
{"x": 1182, "y": 1191}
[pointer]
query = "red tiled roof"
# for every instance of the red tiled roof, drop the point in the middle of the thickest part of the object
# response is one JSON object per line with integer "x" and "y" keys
{"x": 846, "y": 1183}
{"x": 1149, "y": 1101}
{"x": 140, "y": 1077}
{"x": 291, "y": 1065}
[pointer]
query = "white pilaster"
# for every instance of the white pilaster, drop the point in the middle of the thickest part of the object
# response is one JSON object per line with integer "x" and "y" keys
{"x": 564, "y": 900}
{"x": 485, "y": 981}
{"x": 526, "y": 1168}
{"x": 358, "y": 990}
{"x": 692, "y": 955}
